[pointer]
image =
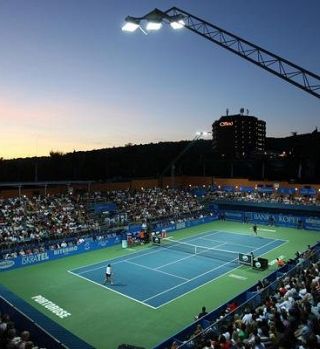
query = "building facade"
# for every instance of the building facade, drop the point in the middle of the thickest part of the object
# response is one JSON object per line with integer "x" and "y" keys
{"x": 238, "y": 136}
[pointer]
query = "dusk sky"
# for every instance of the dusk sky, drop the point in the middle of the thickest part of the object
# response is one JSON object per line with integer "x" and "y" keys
{"x": 72, "y": 80}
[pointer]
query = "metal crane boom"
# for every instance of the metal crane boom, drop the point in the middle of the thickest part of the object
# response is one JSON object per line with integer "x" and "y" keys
{"x": 274, "y": 64}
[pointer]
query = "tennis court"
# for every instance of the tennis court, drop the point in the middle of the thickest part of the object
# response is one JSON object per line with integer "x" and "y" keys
{"x": 160, "y": 274}
{"x": 106, "y": 316}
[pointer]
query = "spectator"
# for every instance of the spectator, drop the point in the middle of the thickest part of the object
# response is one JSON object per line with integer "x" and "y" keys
{"x": 202, "y": 313}
{"x": 280, "y": 262}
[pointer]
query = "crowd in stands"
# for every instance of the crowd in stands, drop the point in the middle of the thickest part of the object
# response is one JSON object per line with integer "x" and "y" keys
{"x": 26, "y": 224}
{"x": 152, "y": 204}
{"x": 262, "y": 197}
{"x": 24, "y": 220}
{"x": 287, "y": 318}
{"x": 11, "y": 338}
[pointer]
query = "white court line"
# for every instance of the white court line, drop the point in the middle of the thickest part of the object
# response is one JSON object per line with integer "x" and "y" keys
{"x": 110, "y": 289}
{"x": 255, "y": 248}
{"x": 194, "y": 289}
{"x": 202, "y": 238}
{"x": 176, "y": 261}
{"x": 249, "y": 235}
{"x": 218, "y": 277}
{"x": 222, "y": 265}
{"x": 269, "y": 243}
{"x": 225, "y": 243}
{"x": 211, "y": 233}
{"x": 211, "y": 240}
{"x": 194, "y": 278}
{"x": 115, "y": 258}
{"x": 158, "y": 271}
{"x": 155, "y": 250}
{"x": 272, "y": 230}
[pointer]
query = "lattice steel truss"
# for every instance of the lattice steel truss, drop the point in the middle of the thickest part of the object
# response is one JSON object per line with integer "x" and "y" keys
{"x": 274, "y": 64}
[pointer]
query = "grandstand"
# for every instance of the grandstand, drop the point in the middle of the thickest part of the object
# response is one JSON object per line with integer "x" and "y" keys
{"x": 55, "y": 245}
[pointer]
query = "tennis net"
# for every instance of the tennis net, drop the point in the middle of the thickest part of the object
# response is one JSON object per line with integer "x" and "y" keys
{"x": 223, "y": 255}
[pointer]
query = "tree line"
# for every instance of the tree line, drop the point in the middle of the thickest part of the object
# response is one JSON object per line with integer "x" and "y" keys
{"x": 296, "y": 157}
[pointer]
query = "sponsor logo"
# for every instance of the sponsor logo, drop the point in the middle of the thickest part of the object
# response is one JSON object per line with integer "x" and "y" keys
{"x": 226, "y": 123}
{"x": 313, "y": 221}
{"x": 87, "y": 246}
{"x": 65, "y": 251}
{"x": 257, "y": 265}
{"x": 34, "y": 258}
{"x": 261, "y": 216}
{"x": 55, "y": 309}
{"x": 245, "y": 258}
{"x": 288, "y": 219}
{"x": 6, "y": 264}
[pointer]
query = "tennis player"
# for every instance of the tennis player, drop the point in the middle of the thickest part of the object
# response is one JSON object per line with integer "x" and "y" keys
{"x": 255, "y": 229}
{"x": 108, "y": 274}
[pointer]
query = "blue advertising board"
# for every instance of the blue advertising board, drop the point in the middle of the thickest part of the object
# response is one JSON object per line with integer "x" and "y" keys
{"x": 87, "y": 245}
{"x": 286, "y": 191}
{"x": 308, "y": 191}
{"x": 311, "y": 223}
{"x": 282, "y": 220}
{"x": 234, "y": 215}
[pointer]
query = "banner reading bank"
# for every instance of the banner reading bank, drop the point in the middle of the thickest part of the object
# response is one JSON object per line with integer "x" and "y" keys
{"x": 87, "y": 245}
{"x": 264, "y": 218}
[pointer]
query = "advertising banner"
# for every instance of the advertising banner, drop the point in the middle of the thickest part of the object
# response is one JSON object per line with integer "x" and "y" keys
{"x": 87, "y": 245}
{"x": 234, "y": 215}
{"x": 312, "y": 223}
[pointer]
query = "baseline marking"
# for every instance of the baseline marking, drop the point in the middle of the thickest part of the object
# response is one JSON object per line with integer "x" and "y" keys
{"x": 112, "y": 290}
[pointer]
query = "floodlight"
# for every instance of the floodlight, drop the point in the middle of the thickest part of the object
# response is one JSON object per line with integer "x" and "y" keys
{"x": 130, "y": 27}
{"x": 153, "y": 25}
{"x": 202, "y": 133}
{"x": 177, "y": 24}
{"x": 131, "y": 24}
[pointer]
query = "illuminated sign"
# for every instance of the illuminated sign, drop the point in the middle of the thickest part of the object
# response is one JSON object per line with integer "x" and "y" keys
{"x": 226, "y": 123}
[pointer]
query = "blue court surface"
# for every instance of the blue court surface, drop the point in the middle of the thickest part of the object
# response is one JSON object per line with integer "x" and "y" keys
{"x": 158, "y": 275}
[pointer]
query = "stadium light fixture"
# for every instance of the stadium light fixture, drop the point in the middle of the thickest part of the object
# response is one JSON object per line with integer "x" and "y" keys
{"x": 154, "y": 20}
{"x": 131, "y": 25}
{"x": 153, "y": 26}
{"x": 177, "y": 24}
{"x": 203, "y": 133}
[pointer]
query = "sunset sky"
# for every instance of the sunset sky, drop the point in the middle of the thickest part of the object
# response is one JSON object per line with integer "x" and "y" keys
{"x": 72, "y": 80}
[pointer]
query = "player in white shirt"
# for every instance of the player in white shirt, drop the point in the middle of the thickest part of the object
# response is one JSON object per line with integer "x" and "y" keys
{"x": 108, "y": 274}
